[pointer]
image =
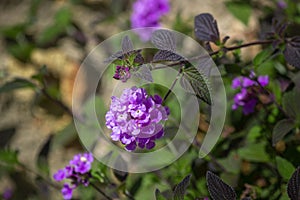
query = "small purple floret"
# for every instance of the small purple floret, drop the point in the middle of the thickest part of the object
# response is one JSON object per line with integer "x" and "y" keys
{"x": 67, "y": 191}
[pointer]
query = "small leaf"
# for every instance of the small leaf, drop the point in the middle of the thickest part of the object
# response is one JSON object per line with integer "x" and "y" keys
{"x": 143, "y": 73}
{"x": 293, "y": 187}
{"x": 291, "y": 104}
{"x": 219, "y": 190}
{"x": 180, "y": 189}
{"x": 115, "y": 56}
{"x": 284, "y": 167}
{"x": 158, "y": 195}
{"x": 279, "y": 27}
{"x": 164, "y": 40}
{"x": 261, "y": 57}
{"x": 281, "y": 129}
{"x": 42, "y": 160}
{"x": 206, "y": 28}
{"x": 292, "y": 51}
{"x": 254, "y": 152}
{"x": 17, "y": 83}
{"x": 165, "y": 55}
{"x": 240, "y": 10}
{"x": 127, "y": 45}
{"x": 194, "y": 82}
{"x": 9, "y": 157}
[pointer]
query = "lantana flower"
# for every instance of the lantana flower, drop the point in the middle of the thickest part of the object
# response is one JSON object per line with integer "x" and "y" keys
{"x": 136, "y": 118}
{"x": 250, "y": 88}
{"x": 78, "y": 172}
{"x": 147, "y": 13}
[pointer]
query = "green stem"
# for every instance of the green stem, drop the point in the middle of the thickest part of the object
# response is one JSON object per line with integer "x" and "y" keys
{"x": 173, "y": 84}
{"x": 100, "y": 191}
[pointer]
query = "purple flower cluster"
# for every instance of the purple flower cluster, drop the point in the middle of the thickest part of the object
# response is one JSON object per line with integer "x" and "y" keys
{"x": 249, "y": 91}
{"x": 122, "y": 73}
{"x": 78, "y": 171}
{"x": 136, "y": 118}
{"x": 147, "y": 13}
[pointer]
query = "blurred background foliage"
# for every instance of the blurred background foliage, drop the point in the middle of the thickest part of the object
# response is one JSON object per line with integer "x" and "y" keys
{"x": 43, "y": 42}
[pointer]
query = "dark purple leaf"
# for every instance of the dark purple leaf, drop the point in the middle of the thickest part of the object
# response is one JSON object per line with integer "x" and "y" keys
{"x": 292, "y": 51}
{"x": 281, "y": 129}
{"x": 165, "y": 55}
{"x": 206, "y": 28}
{"x": 115, "y": 56}
{"x": 219, "y": 190}
{"x": 293, "y": 186}
{"x": 279, "y": 27}
{"x": 194, "y": 82}
{"x": 127, "y": 45}
{"x": 143, "y": 73}
{"x": 180, "y": 189}
{"x": 139, "y": 58}
{"x": 164, "y": 40}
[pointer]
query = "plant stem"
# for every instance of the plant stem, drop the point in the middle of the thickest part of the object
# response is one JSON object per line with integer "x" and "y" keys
{"x": 173, "y": 84}
{"x": 100, "y": 191}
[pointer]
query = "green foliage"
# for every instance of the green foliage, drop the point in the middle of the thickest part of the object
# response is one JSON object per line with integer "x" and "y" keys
{"x": 9, "y": 157}
{"x": 17, "y": 83}
{"x": 255, "y": 152}
{"x": 285, "y": 168}
{"x": 62, "y": 21}
{"x": 240, "y": 10}
{"x": 195, "y": 83}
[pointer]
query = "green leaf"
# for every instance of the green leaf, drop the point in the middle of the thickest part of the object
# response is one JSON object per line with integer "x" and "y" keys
{"x": 12, "y": 32}
{"x": 291, "y": 104}
{"x": 261, "y": 57}
{"x": 195, "y": 83}
{"x": 158, "y": 195}
{"x": 281, "y": 129}
{"x": 52, "y": 32}
{"x": 17, "y": 83}
{"x": 180, "y": 189}
{"x": 284, "y": 167}
{"x": 254, "y": 152}
{"x": 241, "y": 11}
{"x": 9, "y": 157}
{"x": 232, "y": 163}
{"x": 21, "y": 51}
{"x": 254, "y": 133}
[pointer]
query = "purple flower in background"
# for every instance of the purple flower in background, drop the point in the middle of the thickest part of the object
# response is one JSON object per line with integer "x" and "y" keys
{"x": 7, "y": 194}
{"x": 247, "y": 98}
{"x": 147, "y": 13}
{"x": 136, "y": 118}
{"x": 78, "y": 171}
{"x": 122, "y": 73}
{"x": 282, "y": 4}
